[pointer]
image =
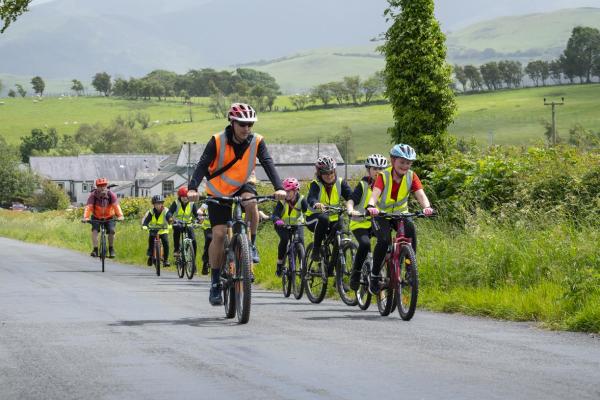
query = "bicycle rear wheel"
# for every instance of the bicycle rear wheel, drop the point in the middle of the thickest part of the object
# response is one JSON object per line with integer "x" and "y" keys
{"x": 385, "y": 298}
{"x": 229, "y": 298}
{"x": 286, "y": 279}
{"x": 157, "y": 256}
{"x": 315, "y": 279}
{"x": 190, "y": 259}
{"x": 343, "y": 272}
{"x": 243, "y": 287}
{"x": 299, "y": 271}
{"x": 103, "y": 249}
{"x": 363, "y": 296}
{"x": 180, "y": 262}
{"x": 408, "y": 291}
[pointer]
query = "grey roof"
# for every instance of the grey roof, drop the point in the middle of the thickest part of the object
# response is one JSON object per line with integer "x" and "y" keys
{"x": 282, "y": 154}
{"x": 151, "y": 179}
{"x": 307, "y": 172}
{"x": 115, "y": 167}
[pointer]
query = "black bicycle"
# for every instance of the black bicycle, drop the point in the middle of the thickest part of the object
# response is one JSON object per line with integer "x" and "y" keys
{"x": 336, "y": 258}
{"x": 292, "y": 276}
{"x": 236, "y": 274}
{"x": 157, "y": 249}
{"x": 102, "y": 247}
{"x": 186, "y": 261}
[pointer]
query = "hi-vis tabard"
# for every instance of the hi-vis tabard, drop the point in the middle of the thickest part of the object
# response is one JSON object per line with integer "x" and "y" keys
{"x": 361, "y": 207}
{"x": 184, "y": 212}
{"x": 291, "y": 217}
{"x": 235, "y": 177}
{"x": 400, "y": 205}
{"x": 160, "y": 222}
{"x": 329, "y": 200}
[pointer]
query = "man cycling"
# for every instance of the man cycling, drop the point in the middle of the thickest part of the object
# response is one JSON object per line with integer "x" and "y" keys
{"x": 391, "y": 191}
{"x": 228, "y": 163}
{"x": 101, "y": 208}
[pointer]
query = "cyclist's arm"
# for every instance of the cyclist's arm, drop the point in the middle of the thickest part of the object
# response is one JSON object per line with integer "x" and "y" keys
{"x": 313, "y": 193}
{"x": 210, "y": 152}
{"x": 173, "y": 207}
{"x": 422, "y": 198}
{"x": 89, "y": 207}
{"x": 304, "y": 205}
{"x": 169, "y": 217}
{"x": 355, "y": 198}
{"x": 147, "y": 218}
{"x": 277, "y": 212}
{"x": 267, "y": 163}
{"x": 346, "y": 190}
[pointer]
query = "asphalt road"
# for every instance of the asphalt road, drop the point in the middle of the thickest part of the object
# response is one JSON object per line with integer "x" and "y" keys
{"x": 68, "y": 331}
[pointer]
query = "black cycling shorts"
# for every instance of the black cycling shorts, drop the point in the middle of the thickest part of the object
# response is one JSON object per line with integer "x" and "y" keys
{"x": 109, "y": 225}
{"x": 220, "y": 214}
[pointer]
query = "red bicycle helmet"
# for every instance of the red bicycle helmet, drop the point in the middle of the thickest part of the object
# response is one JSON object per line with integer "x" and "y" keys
{"x": 182, "y": 192}
{"x": 242, "y": 113}
{"x": 101, "y": 182}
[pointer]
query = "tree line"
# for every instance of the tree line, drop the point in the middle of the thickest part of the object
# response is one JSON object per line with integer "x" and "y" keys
{"x": 580, "y": 60}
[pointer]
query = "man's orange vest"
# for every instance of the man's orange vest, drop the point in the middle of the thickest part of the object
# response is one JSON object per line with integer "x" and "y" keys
{"x": 235, "y": 177}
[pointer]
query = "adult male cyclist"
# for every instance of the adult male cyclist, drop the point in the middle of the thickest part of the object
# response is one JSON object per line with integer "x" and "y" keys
{"x": 102, "y": 206}
{"x": 228, "y": 163}
{"x": 391, "y": 191}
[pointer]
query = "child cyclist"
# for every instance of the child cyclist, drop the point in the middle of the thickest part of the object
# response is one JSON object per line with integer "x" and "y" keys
{"x": 288, "y": 212}
{"x": 185, "y": 211}
{"x": 204, "y": 221}
{"x": 327, "y": 189}
{"x": 361, "y": 227}
{"x": 158, "y": 217}
{"x": 391, "y": 191}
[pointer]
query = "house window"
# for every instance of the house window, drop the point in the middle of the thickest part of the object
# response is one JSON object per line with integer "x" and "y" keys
{"x": 61, "y": 185}
{"x": 168, "y": 187}
{"x": 87, "y": 187}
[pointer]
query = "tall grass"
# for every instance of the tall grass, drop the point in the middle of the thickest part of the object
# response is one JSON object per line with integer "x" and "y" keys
{"x": 547, "y": 271}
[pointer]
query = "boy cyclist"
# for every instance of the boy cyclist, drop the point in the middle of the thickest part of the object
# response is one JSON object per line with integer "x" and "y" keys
{"x": 185, "y": 211}
{"x": 158, "y": 218}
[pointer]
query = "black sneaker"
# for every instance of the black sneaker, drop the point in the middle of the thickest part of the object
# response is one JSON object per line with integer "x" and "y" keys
{"x": 94, "y": 252}
{"x": 166, "y": 263}
{"x": 111, "y": 252}
{"x": 205, "y": 268}
{"x": 279, "y": 270}
{"x": 255, "y": 255}
{"x": 149, "y": 261}
{"x": 355, "y": 280}
{"x": 215, "y": 298}
{"x": 375, "y": 284}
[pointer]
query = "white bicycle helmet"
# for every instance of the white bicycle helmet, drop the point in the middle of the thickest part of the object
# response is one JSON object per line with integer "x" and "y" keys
{"x": 376, "y": 161}
{"x": 242, "y": 113}
{"x": 325, "y": 164}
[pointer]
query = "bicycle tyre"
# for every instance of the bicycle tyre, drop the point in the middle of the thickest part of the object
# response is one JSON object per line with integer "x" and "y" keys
{"x": 299, "y": 271}
{"x": 315, "y": 279}
{"x": 157, "y": 256}
{"x": 385, "y": 298}
{"x": 229, "y": 299}
{"x": 343, "y": 272}
{"x": 286, "y": 279}
{"x": 179, "y": 262}
{"x": 103, "y": 249}
{"x": 408, "y": 292}
{"x": 190, "y": 260}
{"x": 242, "y": 283}
{"x": 363, "y": 295}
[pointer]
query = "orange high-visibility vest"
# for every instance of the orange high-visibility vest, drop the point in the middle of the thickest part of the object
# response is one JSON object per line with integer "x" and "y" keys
{"x": 235, "y": 177}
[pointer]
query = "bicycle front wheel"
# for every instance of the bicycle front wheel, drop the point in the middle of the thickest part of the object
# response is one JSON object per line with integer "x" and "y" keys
{"x": 363, "y": 296}
{"x": 298, "y": 271}
{"x": 315, "y": 279}
{"x": 157, "y": 256}
{"x": 385, "y": 298}
{"x": 408, "y": 290}
{"x": 103, "y": 249}
{"x": 243, "y": 288}
{"x": 343, "y": 272}
{"x": 179, "y": 262}
{"x": 190, "y": 260}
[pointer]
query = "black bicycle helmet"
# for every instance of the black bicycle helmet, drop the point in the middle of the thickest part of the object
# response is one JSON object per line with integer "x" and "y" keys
{"x": 158, "y": 198}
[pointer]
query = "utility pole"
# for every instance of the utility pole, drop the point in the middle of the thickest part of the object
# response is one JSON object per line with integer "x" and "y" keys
{"x": 553, "y": 104}
{"x": 189, "y": 155}
{"x": 190, "y": 104}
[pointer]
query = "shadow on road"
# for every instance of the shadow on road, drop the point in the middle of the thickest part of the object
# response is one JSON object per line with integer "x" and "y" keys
{"x": 347, "y": 316}
{"x": 75, "y": 270}
{"x": 197, "y": 322}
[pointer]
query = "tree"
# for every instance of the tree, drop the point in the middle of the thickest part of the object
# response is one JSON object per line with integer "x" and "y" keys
{"x": 12, "y": 93}
{"x": 37, "y": 141}
{"x": 21, "y": 90}
{"x": 474, "y": 77}
{"x": 583, "y": 48}
{"x": 38, "y": 85}
{"x": 10, "y": 10}
{"x": 373, "y": 86}
{"x": 352, "y": 84}
{"x": 1, "y": 86}
{"x": 490, "y": 73}
{"x": 339, "y": 91}
{"x": 51, "y": 197}
{"x": 321, "y": 92}
{"x": 300, "y": 101}
{"x": 532, "y": 69}
{"x": 15, "y": 183}
{"x": 345, "y": 144}
{"x": 461, "y": 77}
{"x": 218, "y": 102}
{"x": 102, "y": 83}
{"x": 555, "y": 69}
{"x": 77, "y": 87}
{"x": 417, "y": 76}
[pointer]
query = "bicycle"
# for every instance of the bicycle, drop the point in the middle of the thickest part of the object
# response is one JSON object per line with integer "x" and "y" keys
{"x": 292, "y": 276}
{"x": 236, "y": 274}
{"x": 186, "y": 261}
{"x": 102, "y": 248}
{"x": 400, "y": 276}
{"x": 157, "y": 249}
{"x": 337, "y": 252}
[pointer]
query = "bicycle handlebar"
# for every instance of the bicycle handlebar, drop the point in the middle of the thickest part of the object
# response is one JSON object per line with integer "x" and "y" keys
{"x": 234, "y": 199}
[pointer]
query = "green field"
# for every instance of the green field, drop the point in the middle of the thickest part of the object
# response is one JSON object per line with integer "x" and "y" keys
{"x": 513, "y": 116}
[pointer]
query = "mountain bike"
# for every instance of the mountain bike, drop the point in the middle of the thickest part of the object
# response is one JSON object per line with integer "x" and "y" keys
{"x": 157, "y": 249}
{"x": 400, "y": 276}
{"x": 292, "y": 276}
{"x": 337, "y": 255}
{"x": 236, "y": 274}
{"x": 102, "y": 247}
{"x": 186, "y": 261}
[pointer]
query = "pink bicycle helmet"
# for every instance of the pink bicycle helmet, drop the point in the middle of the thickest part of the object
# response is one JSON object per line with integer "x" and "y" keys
{"x": 242, "y": 113}
{"x": 291, "y": 184}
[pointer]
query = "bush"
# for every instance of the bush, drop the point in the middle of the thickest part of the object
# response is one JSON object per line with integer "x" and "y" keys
{"x": 50, "y": 197}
